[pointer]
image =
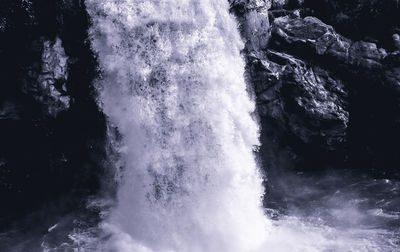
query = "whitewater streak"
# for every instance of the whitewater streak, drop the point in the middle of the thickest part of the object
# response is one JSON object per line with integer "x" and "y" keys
{"x": 172, "y": 84}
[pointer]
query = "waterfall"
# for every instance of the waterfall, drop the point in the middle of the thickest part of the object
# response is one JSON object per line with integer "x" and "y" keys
{"x": 172, "y": 84}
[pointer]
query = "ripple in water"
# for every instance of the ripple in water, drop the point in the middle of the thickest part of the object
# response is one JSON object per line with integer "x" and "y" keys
{"x": 335, "y": 212}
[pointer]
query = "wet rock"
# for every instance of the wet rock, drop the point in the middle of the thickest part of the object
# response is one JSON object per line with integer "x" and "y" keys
{"x": 313, "y": 40}
{"x": 392, "y": 72}
{"x": 283, "y": 12}
{"x": 47, "y": 82}
{"x": 304, "y": 99}
{"x": 365, "y": 55}
{"x": 368, "y": 20}
{"x": 53, "y": 77}
{"x": 52, "y": 132}
{"x": 3, "y": 23}
{"x": 310, "y": 35}
{"x": 396, "y": 41}
{"x": 254, "y": 22}
{"x": 288, "y": 4}
{"x": 370, "y": 77}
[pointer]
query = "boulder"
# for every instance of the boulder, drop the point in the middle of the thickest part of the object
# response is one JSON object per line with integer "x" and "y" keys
{"x": 46, "y": 81}
{"x": 369, "y": 20}
{"x": 311, "y": 36}
{"x": 391, "y": 72}
{"x": 306, "y": 100}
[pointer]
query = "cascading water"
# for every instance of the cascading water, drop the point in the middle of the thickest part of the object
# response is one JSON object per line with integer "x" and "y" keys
{"x": 172, "y": 84}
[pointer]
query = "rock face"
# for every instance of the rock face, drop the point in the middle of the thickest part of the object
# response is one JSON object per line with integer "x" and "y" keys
{"x": 310, "y": 36}
{"x": 369, "y": 20}
{"x": 253, "y": 19}
{"x": 51, "y": 131}
{"x": 47, "y": 81}
{"x": 368, "y": 72}
{"x": 327, "y": 99}
{"x": 304, "y": 99}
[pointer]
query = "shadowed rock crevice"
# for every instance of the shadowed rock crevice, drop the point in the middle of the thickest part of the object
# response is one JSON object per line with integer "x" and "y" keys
{"x": 52, "y": 133}
{"x": 326, "y": 99}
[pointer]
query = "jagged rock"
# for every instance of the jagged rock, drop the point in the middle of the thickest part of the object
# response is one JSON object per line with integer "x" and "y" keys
{"x": 392, "y": 71}
{"x": 365, "y": 55}
{"x": 3, "y": 24}
{"x": 46, "y": 80}
{"x": 311, "y": 35}
{"x": 304, "y": 99}
{"x": 371, "y": 77}
{"x": 275, "y": 13}
{"x": 278, "y": 4}
{"x": 53, "y": 77}
{"x": 254, "y": 22}
{"x": 396, "y": 41}
{"x": 369, "y": 20}
{"x": 51, "y": 129}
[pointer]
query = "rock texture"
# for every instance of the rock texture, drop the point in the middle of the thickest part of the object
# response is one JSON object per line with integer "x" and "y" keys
{"x": 310, "y": 37}
{"x": 253, "y": 20}
{"x": 369, "y": 20}
{"x": 368, "y": 73}
{"x": 47, "y": 81}
{"x": 51, "y": 131}
{"x": 327, "y": 99}
{"x": 304, "y": 99}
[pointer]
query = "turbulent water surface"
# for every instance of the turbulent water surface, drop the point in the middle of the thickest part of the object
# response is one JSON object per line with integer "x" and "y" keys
{"x": 172, "y": 84}
{"x": 181, "y": 123}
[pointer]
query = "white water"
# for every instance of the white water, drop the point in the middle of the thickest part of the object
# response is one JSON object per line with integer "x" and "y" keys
{"x": 172, "y": 83}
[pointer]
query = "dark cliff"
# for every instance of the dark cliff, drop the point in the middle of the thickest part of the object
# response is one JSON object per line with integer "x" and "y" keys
{"x": 327, "y": 92}
{"x": 52, "y": 132}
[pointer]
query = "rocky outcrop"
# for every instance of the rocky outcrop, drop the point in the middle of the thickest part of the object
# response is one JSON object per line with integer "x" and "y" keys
{"x": 326, "y": 99}
{"x": 310, "y": 37}
{"x": 47, "y": 82}
{"x": 368, "y": 20}
{"x": 304, "y": 99}
{"x": 253, "y": 20}
{"x": 392, "y": 71}
{"x": 52, "y": 132}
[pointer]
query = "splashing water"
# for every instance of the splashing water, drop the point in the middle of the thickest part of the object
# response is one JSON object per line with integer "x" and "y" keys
{"x": 172, "y": 84}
